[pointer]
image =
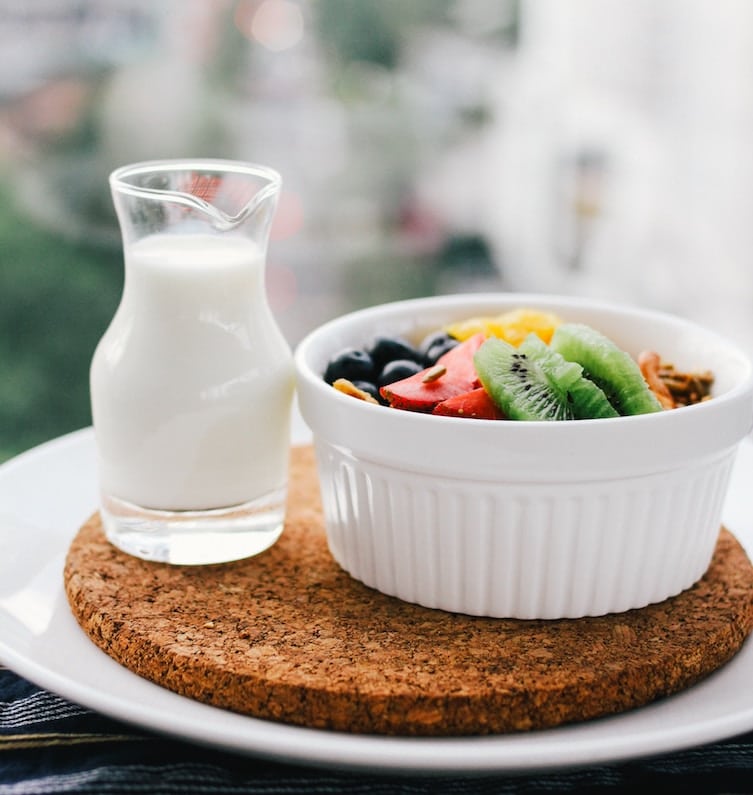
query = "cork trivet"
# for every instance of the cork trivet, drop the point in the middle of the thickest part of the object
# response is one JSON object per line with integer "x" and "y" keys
{"x": 289, "y": 636}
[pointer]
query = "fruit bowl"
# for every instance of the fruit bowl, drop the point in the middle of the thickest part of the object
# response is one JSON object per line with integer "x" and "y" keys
{"x": 525, "y": 519}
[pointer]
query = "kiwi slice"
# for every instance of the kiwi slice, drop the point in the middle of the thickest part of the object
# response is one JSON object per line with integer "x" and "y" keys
{"x": 586, "y": 399}
{"x": 532, "y": 383}
{"x": 607, "y": 365}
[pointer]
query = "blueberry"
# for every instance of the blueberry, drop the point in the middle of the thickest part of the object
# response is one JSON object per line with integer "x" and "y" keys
{"x": 439, "y": 350}
{"x": 432, "y": 339}
{"x": 350, "y": 363}
{"x": 435, "y": 345}
{"x": 384, "y": 349}
{"x": 397, "y": 370}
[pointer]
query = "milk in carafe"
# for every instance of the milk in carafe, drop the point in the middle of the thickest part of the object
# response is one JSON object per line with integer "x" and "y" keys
{"x": 200, "y": 378}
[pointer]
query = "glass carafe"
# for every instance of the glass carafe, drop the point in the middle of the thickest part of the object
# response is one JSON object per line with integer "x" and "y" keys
{"x": 192, "y": 383}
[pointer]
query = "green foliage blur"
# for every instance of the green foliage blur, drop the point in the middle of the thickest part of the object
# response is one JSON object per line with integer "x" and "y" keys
{"x": 371, "y": 32}
{"x": 56, "y": 299}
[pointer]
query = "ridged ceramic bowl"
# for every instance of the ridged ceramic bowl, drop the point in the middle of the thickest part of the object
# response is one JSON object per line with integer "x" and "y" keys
{"x": 525, "y": 519}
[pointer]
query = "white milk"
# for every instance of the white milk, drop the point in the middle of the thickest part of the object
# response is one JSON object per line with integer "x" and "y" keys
{"x": 192, "y": 383}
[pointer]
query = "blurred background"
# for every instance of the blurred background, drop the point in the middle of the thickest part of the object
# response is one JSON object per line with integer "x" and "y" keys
{"x": 598, "y": 147}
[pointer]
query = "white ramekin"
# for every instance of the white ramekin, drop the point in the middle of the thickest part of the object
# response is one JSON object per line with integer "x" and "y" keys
{"x": 525, "y": 519}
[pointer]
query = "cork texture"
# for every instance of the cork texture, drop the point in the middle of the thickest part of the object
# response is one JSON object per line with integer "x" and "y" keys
{"x": 289, "y": 636}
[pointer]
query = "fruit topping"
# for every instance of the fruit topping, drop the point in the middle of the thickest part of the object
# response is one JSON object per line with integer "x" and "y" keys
{"x": 611, "y": 368}
{"x": 436, "y": 345}
{"x": 352, "y": 364}
{"x": 415, "y": 394}
{"x": 512, "y": 326}
{"x": 384, "y": 349}
{"x": 586, "y": 400}
{"x": 533, "y": 383}
{"x": 524, "y": 364}
{"x": 397, "y": 370}
{"x": 475, "y": 404}
{"x": 387, "y": 359}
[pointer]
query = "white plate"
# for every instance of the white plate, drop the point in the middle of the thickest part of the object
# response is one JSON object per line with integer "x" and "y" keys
{"x": 46, "y": 494}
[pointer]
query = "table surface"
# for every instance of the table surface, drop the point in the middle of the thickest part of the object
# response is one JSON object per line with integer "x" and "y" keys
{"x": 50, "y": 744}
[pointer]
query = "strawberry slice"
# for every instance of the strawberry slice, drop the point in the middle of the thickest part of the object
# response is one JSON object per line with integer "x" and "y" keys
{"x": 421, "y": 393}
{"x": 475, "y": 404}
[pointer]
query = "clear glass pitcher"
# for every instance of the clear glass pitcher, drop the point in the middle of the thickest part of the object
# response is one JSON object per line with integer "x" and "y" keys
{"x": 192, "y": 383}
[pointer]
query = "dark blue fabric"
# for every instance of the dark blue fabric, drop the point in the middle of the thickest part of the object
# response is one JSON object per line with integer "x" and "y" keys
{"x": 48, "y": 745}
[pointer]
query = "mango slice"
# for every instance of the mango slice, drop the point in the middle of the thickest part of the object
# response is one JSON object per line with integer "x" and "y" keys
{"x": 512, "y": 326}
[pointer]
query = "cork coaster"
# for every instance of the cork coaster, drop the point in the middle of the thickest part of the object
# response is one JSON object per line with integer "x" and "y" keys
{"x": 290, "y": 637}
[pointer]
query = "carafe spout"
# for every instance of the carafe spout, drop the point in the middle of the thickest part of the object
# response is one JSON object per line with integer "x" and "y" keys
{"x": 216, "y": 196}
{"x": 260, "y": 206}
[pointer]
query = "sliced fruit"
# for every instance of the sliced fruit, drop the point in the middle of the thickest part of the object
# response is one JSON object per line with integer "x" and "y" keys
{"x": 532, "y": 382}
{"x": 586, "y": 400}
{"x": 464, "y": 329}
{"x": 518, "y": 384}
{"x": 416, "y": 394}
{"x": 611, "y": 368}
{"x": 512, "y": 326}
{"x": 475, "y": 404}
